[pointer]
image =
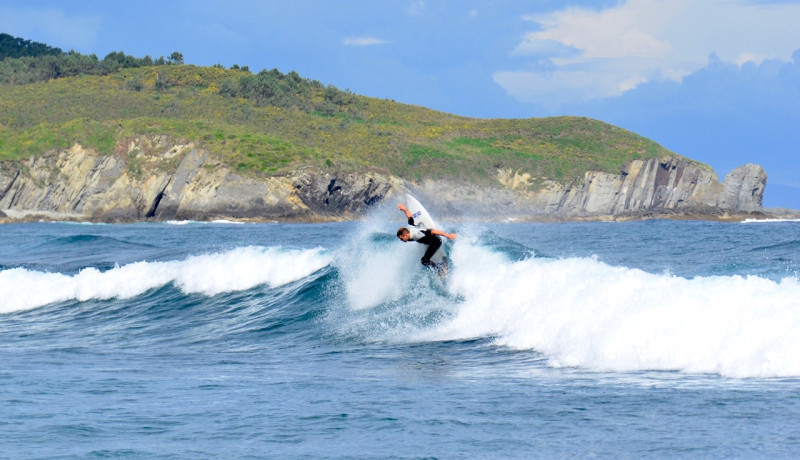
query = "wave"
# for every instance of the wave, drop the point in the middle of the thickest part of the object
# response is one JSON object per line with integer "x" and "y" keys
{"x": 575, "y": 312}
{"x": 783, "y": 247}
{"x": 580, "y": 312}
{"x": 71, "y": 242}
{"x": 208, "y": 274}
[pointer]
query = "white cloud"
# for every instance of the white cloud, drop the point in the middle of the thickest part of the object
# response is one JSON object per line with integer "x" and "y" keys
{"x": 363, "y": 41}
{"x": 631, "y": 83}
{"x": 569, "y": 83}
{"x": 594, "y": 54}
{"x": 744, "y": 58}
{"x": 623, "y": 31}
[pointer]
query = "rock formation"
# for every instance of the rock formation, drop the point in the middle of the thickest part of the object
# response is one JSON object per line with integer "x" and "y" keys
{"x": 743, "y": 188}
{"x": 668, "y": 185}
{"x": 155, "y": 178}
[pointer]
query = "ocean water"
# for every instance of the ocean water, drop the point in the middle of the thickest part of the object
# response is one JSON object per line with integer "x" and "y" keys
{"x": 220, "y": 340}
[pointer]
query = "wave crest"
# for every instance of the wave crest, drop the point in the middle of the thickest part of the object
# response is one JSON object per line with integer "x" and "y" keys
{"x": 208, "y": 274}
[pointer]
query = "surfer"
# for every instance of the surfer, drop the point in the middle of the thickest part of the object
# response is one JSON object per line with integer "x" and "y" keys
{"x": 429, "y": 237}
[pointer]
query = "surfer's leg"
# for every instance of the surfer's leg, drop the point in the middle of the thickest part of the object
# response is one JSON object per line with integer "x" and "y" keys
{"x": 433, "y": 246}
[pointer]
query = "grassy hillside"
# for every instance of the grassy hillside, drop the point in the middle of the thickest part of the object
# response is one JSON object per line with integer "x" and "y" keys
{"x": 226, "y": 111}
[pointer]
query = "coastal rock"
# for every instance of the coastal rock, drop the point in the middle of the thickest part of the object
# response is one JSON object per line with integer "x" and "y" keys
{"x": 156, "y": 179}
{"x": 69, "y": 183}
{"x": 668, "y": 185}
{"x": 153, "y": 177}
{"x": 743, "y": 188}
{"x": 216, "y": 192}
{"x": 657, "y": 183}
{"x": 338, "y": 194}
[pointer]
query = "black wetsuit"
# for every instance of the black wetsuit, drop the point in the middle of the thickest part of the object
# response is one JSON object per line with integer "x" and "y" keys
{"x": 433, "y": 242}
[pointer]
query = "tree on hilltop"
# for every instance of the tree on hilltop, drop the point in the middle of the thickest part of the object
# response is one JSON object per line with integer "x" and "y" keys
{"x": 15, "y": 47}
{"x": 176, "y": 58}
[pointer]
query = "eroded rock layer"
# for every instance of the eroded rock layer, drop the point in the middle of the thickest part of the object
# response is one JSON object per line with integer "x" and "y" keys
{"x": 154, "y": 178}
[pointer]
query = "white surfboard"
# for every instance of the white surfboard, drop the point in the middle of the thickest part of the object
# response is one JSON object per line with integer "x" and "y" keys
{"x": 424, "y": 220}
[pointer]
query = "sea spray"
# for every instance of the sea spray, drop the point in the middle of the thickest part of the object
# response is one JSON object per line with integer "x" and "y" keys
{"x": 383, "y": 292}
{"x": 376, "y": 271}
{"x": 375, "y": 266}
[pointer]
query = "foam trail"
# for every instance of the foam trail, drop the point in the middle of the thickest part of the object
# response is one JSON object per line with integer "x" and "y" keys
{"x": 583, "y": 313}
{"x": 208, "y": 274}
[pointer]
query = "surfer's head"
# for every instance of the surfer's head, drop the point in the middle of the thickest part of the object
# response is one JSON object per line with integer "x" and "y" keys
{"x": 403, "y": 234}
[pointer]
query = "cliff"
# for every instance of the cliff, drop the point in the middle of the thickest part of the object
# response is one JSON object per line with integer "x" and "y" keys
{"x": 153, "y": 177}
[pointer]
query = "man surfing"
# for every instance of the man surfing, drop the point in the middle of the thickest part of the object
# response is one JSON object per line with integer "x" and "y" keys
{"x": 428, "y": 237}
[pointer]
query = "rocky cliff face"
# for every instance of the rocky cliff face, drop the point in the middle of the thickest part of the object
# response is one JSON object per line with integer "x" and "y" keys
{"x": 651, "y": 185}
{"x": 668, "y": 185}
{"x": 154, "y": 178}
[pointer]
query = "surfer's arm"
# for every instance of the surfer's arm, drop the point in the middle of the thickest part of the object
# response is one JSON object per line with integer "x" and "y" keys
{"x": 410, "y": 216}
{"x": 403, "y": 208}
{"x": 450, "y": 236}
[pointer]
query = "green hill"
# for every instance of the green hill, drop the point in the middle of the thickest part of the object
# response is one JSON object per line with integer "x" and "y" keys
{"x": 269, "y": 123}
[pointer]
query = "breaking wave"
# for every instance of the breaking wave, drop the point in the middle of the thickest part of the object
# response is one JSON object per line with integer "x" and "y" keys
{"x": 208, "y": 274}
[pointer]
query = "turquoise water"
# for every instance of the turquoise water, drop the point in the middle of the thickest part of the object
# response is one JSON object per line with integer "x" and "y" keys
{"x": 219, "y": 340}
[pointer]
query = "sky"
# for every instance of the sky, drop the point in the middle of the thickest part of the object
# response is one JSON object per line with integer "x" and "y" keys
{"x": 717, "y": 81}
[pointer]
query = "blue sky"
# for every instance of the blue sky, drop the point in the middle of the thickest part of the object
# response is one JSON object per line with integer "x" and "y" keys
{"x": 715, "y": 80}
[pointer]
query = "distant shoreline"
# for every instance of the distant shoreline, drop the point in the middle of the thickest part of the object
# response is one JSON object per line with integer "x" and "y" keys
{"x": 771, "y": 215}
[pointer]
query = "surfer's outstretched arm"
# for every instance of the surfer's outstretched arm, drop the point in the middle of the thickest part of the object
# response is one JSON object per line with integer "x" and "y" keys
{"x": 450, "y": 236}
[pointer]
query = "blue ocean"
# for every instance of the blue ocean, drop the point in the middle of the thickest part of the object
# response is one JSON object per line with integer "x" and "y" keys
{"x": 656, "y": 339}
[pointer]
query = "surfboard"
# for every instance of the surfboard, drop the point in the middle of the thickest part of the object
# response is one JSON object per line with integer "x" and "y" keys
{"x": 424, "y": 220}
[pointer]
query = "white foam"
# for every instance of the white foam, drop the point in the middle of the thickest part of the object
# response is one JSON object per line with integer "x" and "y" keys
{"x": 580, "y": 312}
{"x": 768, "y": 221}
{"x": 181, "y": 222}
{"x": 218, "y": 221}
{"x": 208, "y": 274}
{"x": 67, "y": 222}
{"x": 226, "y": 221}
